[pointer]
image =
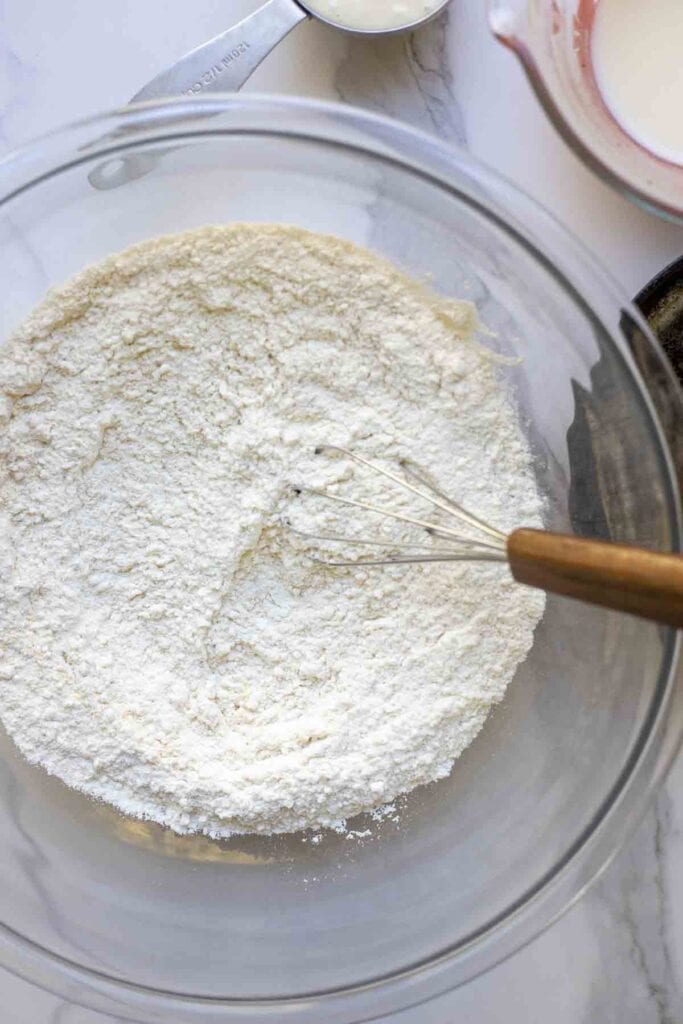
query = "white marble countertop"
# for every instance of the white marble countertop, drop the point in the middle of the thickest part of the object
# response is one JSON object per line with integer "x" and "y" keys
{"x": 618, "y": 955}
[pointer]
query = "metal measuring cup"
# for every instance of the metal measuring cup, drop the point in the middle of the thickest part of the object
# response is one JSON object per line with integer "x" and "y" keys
{"x": 226, "y": 61}
{"x": 224, "y": 64}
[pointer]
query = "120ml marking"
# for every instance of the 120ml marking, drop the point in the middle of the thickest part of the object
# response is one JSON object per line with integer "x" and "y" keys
{"x": 216, "y": 70}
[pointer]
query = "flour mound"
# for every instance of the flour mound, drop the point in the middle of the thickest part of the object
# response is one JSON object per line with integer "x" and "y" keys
{"x": 168, "y": 644}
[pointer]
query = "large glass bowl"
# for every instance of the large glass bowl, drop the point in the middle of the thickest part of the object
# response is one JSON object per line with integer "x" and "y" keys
{"x": 128, "y": 918}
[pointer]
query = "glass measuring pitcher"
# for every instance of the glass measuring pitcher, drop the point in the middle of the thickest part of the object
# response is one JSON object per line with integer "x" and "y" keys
{"x": 552, "y": 39}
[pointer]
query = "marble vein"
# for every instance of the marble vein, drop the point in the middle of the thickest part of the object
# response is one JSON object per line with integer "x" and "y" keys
{"x": 630, "y": 912}
{"x": 405, "y": 77}
{"x": 17, "y": 82}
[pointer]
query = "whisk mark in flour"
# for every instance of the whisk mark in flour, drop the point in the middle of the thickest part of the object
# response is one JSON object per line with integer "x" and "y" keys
{"x": 167, "y": 646}
{"x": 460, "y": 548}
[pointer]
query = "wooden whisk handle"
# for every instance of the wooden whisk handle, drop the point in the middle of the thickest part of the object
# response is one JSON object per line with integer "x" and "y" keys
{"x": 627, "y": 579}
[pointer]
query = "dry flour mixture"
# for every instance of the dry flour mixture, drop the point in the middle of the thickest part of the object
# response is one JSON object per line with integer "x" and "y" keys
{"x": 167, "y": 645}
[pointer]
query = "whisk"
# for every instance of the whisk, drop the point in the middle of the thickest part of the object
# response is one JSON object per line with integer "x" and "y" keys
{"x": 618, "y": 576}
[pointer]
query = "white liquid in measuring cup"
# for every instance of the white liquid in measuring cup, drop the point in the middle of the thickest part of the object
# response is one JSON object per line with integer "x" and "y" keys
{"x": 637, "y": 50}
{"x": 373, "y": 15}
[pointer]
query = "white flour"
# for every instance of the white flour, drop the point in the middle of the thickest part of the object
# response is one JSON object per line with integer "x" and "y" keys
{"x": 167, "y": 646}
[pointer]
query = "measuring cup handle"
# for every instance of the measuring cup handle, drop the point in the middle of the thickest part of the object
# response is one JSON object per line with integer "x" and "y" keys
{"x": 221, "y": 65}
{"x": 226, "y": 61}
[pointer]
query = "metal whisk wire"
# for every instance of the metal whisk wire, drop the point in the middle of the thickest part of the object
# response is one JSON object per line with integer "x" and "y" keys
{"x": 460, "y": 548}
{"x": 617, "y": 576}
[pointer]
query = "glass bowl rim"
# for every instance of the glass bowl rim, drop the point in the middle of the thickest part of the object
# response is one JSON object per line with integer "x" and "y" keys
{"x": 492, "y": 196}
